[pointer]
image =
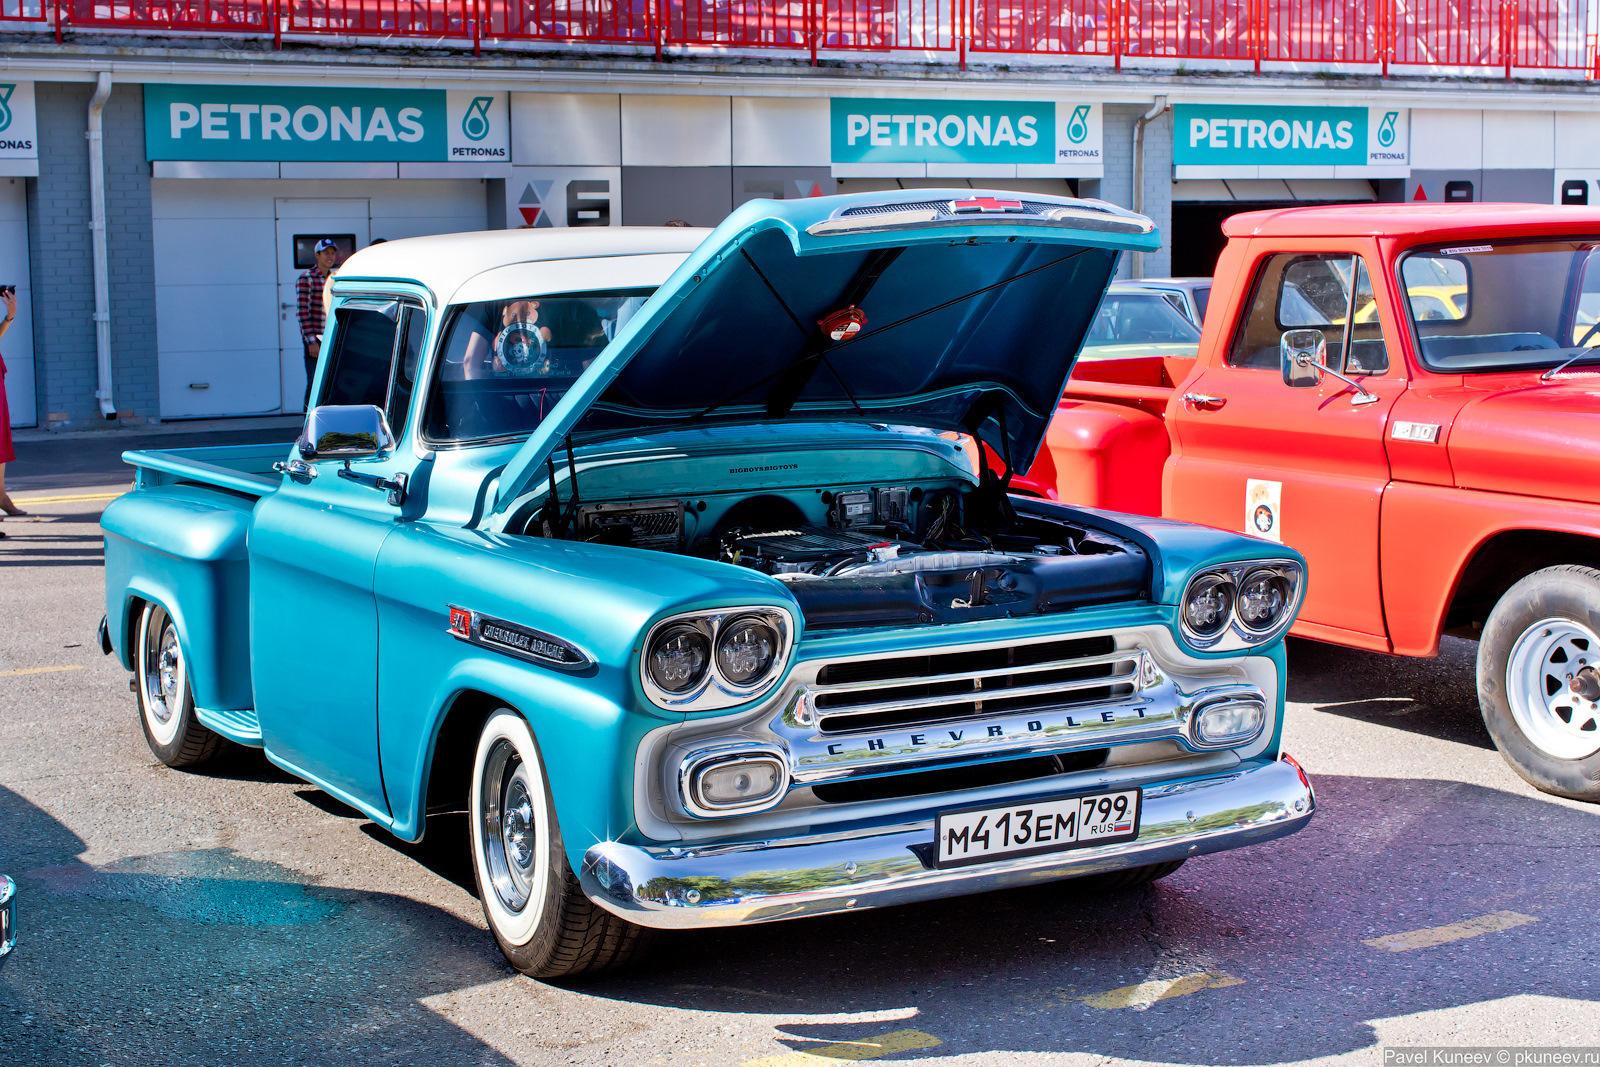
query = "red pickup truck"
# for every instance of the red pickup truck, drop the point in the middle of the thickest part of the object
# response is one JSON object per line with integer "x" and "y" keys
{"x": 1410, "y": 396}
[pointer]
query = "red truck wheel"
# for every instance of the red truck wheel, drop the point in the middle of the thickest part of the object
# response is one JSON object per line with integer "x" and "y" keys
{"x": 1539, "y": 680}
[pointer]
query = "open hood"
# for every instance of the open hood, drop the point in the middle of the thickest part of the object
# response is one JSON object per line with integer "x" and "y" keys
{"x": 952, "y": 309}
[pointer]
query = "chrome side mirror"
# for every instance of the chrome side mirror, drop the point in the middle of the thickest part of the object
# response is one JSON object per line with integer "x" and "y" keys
{"x": 345, "y": 431}
{"x": 1302, "y": 355}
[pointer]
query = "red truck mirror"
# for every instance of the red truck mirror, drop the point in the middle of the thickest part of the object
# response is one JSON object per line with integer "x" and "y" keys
{"x": 1303, "y": 356}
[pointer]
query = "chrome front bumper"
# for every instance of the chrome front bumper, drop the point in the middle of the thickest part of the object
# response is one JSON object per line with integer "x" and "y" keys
{"x": 8, "y": 917}
{"x": 790, "y": 878}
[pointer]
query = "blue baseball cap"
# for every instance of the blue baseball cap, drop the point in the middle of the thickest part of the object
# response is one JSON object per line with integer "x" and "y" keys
{"x": 325, "y": 244}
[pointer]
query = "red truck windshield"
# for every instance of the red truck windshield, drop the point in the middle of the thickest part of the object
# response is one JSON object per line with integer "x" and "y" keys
{"x": 1488, "y": 306}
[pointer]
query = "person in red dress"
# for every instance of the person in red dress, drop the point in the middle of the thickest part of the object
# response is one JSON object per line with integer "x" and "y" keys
{"x": 8, "y": 297}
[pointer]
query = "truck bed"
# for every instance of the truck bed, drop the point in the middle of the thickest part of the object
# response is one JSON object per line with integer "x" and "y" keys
{"x": 1145, "y": 382}
{"x": 239, "y": 468}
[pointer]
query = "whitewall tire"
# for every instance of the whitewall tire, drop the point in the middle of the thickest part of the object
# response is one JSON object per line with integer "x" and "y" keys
{"x": 166, "y": 704}
{"x": 531, "y": 899}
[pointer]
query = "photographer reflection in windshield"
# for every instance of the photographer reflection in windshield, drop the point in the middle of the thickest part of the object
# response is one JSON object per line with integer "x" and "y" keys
{"x": 536, "y": 339}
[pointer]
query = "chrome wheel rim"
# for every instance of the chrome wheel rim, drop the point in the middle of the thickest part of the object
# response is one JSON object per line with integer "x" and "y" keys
{"x": 165, "y": 674}
{"x": 510, "y": 838}
{"x": 1553, "y": 687}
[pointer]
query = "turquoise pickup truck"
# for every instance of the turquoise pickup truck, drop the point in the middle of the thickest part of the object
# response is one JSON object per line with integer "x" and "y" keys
{"x": 684, "y": 563}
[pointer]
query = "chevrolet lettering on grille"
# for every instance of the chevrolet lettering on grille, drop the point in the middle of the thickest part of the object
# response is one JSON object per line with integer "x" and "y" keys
{"x": 1154, "y": 711}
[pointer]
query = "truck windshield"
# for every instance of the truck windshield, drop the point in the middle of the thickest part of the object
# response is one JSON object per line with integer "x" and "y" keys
{"x": 1504, "y": 306}
{"x": 504, "y": 364}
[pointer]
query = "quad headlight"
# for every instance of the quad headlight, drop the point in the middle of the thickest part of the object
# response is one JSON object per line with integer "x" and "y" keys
{"x": 747, "y": 646}
{"x": 1240, "y": 604}
{"x": 715, "y": 659}
{"x": 678, "y": 658}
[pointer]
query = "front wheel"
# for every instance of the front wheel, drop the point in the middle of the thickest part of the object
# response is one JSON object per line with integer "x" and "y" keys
{"x": 541, "y": 918}
{"x": 1539, "y": 680}
{"x": 166, "y": 706}
{"x": 1130, "y": 877}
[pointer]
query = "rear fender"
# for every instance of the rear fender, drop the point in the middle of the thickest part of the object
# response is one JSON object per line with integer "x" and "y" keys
{"x": 1108, "y": 455}
{"x": 183, "y": 547}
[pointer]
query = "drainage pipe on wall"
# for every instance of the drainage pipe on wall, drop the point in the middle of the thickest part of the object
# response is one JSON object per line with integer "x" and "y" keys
{"x": 1136, "y": 261}
{"x": 97, "y": 234}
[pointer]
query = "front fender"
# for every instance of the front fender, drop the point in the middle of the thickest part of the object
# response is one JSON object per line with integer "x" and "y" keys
{"x": 598, "y": 598}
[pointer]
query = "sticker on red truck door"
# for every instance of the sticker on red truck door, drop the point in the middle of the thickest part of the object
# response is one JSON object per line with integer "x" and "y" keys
{"x": 1262, "y": 508}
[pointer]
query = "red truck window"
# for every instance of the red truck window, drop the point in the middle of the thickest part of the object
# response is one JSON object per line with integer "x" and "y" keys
{"x": 1297, "y": 291}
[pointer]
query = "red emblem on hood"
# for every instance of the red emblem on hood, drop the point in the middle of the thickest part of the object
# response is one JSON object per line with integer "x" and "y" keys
{"x": 985, "y": 205}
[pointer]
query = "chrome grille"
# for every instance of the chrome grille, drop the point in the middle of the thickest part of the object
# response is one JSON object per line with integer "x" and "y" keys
{"x": 950, "y": 687}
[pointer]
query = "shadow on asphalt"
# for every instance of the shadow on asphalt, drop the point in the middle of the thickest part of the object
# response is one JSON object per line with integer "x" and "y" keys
{"x": 1436, "y": 697}
{"x": 32, "y": 543}
{"x": 206, "y": 957}
{"x": 1006, "y": 971}
{"x": 445, "y": 849}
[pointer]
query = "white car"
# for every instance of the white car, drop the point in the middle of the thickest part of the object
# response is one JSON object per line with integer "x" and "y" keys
{"x": 1188, "y": 295}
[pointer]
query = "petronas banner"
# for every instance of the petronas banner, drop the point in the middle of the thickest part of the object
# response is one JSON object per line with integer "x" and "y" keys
{"x": 1234, "y": 135}
{"x": 318, "y": 124}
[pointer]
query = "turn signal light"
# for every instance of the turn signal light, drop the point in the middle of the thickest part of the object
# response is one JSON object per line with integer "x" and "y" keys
{"x": 721, "y": 783}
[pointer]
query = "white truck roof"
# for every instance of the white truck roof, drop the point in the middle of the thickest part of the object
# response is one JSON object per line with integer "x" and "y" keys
{"x": 446, "y": 262}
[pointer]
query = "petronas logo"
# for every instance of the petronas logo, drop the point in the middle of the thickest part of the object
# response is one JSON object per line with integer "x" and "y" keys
{"x": 1386, "y": 129}
{"x": 1078, "y": 125}
{"x": 5, "y": 105}
{"x": 475, "y": 124}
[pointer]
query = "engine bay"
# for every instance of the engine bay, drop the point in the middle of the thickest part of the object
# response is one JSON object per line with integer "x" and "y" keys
{"x": 881, "y": 554}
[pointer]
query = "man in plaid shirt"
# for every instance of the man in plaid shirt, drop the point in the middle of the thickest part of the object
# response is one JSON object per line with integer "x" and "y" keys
{"x": 308, "y": 297}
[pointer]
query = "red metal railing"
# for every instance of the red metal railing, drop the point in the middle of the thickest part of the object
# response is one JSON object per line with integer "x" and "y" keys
{"x": 632, "y": 21}
{"x": 238, "y": 15}
{"x": 381, "y": 18}
{"x": 1530, "y": 35}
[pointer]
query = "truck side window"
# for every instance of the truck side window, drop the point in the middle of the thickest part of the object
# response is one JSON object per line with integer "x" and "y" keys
{"x": 414, "y": 328}
{"x": 1368, "y": 354}
{"x": 1296, "y": 291}
{"x": 363, "y": 352}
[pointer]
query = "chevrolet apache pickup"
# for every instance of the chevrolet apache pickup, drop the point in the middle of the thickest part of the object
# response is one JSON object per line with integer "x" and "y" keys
{"x": 1406, "y": 395}
{"x": 677, "y": 561}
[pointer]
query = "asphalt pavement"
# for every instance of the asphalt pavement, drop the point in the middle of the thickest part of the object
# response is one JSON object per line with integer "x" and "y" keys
{"x": 240, "y": 916}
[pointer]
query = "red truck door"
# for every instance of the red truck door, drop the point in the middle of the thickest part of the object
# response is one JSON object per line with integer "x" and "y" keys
{"x": 1306, "y": 467}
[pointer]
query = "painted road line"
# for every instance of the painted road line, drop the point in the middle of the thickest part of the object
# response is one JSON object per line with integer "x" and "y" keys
{"x": 40, "y": 670}
{"x": 1147, "y": 993}
{"x": 1440, "y": 935}
{"x": 77, "y": 498}
{"x": 851, "y": 1051}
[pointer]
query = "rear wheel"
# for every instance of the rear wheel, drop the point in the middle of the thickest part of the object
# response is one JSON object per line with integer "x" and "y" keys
{"x": 166, "y": 706}
{"x": 1539, "y": 680}
{"x": 541, "y": 918}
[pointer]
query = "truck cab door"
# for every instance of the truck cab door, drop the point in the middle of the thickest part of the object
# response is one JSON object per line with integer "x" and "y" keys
{"x": 1306, "y": 467}
{"x": 313, "y": 552}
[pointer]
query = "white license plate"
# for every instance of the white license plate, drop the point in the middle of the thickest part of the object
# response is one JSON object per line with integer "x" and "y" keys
{"x": 981, "y": 834}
